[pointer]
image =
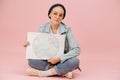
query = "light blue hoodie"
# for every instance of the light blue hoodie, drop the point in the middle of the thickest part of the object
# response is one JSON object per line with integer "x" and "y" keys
{"x": 72, "y": 48}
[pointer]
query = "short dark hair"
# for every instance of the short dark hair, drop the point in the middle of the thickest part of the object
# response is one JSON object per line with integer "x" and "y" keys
{"x": 55, "y": 5}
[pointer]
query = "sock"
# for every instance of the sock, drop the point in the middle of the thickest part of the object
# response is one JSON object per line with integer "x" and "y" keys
{"x": 45, "y": 73}
{"x": 49, "y": 72}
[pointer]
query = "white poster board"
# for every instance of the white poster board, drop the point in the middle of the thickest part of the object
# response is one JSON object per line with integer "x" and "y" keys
{"x": 44, "y": 46}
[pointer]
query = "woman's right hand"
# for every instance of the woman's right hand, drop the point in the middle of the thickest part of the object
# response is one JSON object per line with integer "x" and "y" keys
{"x": 26, "y": 44}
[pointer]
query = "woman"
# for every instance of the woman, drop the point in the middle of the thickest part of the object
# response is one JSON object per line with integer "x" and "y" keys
{"x": 60, "y": 65}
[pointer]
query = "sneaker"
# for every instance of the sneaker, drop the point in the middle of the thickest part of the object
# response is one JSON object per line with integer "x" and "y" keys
{"x": 68, "y": 75}
{"x": 32, "y": 72}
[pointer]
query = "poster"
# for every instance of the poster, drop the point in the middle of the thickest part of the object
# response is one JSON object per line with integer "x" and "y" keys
{"x": 44, "y": 45}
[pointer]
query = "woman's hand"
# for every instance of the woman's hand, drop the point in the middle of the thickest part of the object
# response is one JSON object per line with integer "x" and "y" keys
{"x": 54, "y": 60}
{"x": 26, "y": 44}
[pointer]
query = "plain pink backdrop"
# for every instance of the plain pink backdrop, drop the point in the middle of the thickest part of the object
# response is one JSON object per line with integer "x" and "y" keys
{"x": 95, "y": 25}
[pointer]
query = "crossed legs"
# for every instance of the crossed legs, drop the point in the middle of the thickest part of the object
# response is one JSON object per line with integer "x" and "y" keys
{"x": 41, "y": 67}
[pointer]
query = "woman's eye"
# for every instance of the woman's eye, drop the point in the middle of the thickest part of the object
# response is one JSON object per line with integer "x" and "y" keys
{"x": 55, "y": 13}
{"x": 61, "y": 15}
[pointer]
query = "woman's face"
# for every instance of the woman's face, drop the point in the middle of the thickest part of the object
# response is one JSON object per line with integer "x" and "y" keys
{"x": 56, "y": 15}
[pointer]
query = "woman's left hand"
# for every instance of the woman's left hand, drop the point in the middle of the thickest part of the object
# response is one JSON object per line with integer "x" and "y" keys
{"x": 54, "y": 60}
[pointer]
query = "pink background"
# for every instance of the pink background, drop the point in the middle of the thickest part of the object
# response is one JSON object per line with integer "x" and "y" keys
{"x": 95, "y": 25}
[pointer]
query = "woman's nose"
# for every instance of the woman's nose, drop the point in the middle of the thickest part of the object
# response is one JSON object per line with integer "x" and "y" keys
{"x": 57, "y": 16}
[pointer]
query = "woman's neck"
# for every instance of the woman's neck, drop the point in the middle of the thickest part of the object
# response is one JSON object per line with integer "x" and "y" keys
{"x": 54, "y": 28}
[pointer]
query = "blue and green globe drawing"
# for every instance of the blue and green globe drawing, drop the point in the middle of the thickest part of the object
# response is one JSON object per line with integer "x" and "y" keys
{"x": 45, "y": 46}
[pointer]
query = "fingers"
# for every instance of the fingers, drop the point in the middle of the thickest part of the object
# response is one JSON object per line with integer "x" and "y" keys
{"x": 26, "y": 44}
{"x": 54, "y": 60}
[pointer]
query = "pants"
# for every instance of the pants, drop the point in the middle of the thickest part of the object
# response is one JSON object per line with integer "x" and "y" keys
{"x": 61, "y": 68}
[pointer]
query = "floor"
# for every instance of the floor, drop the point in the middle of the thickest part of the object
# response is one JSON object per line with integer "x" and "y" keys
{"x": 95, "y": 66}
{"x": 96, "y": 28}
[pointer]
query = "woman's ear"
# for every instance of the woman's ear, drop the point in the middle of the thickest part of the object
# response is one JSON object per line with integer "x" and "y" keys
{"x": 49, "y": 16}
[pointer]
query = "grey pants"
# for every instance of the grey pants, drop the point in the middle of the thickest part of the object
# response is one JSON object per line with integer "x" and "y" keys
{"x": 61, "y": 68}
